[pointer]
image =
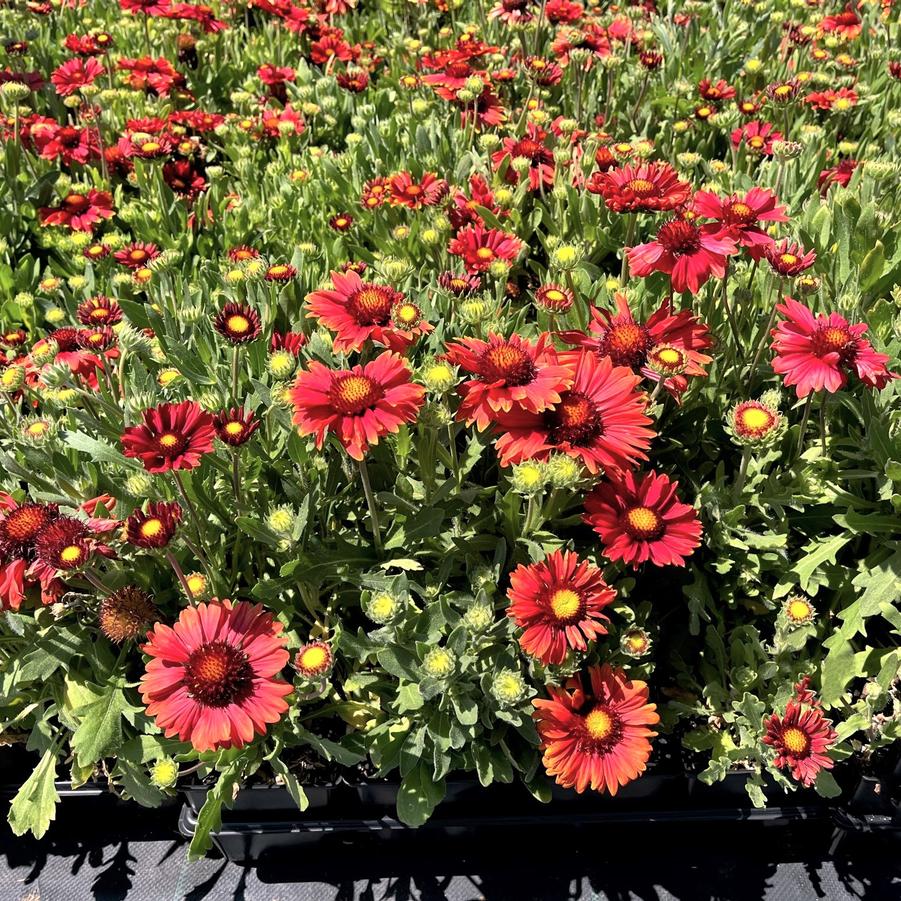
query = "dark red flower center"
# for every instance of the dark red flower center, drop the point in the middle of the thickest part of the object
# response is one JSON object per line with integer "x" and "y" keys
{"x": 626, "y": 343}
{"x": 171, "y": 444}
{"x": 22, "y": 526}
{"x": 218, "y": 674}
{"x": 575, "y": 420}
{"x": 602, "y": 730}
{"x": 68, "y": 135}
{"x": 76, "y": 203}
{"x": 831, "y": 339}
{"x": 737, "y": 212}
{"x": 679, "y": 237}
{"x": 352, "y": 394}
{"x": 371, "y": 304}
{"x": 642, "y": 523}
{"x": 507, "y": 363}
{"x": 532, "y": 150}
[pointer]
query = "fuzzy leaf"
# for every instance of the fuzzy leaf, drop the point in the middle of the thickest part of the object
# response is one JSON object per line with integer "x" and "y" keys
{"x": 34, "y": 806}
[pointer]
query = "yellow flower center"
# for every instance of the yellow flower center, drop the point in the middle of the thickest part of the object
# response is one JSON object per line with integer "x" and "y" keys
{"x": 485, "y": 253}
{"x": 71, "y": 554}
{"x": 789, "y": 259}
{"x": 234, "y": 429}
{"x": 643, "y": 522}
{"x": 799, "y": 610}
{"x": 238, "y": 324}
{"x": 168, "y": 440}
{"x": 152, "y": 528}
{"x": 313, "y": 658}
{"x": 599, "y": 724}
{"x": 641, "y": 186}
{"x": 565, "y": 603}
{"x": 795, "y": 740}
{"x": 755, "y": 419}
{"x": 196, "y": 583}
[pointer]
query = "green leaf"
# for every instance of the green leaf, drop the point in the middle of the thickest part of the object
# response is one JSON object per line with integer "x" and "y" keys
{"x": 826, "y": 786}
{"x": 99, "y": 731}
{"x": 134, "y": 781}
{"x": 34, "y": 806}
{"x": 210, "y": 817}
{"x": 419, "y": 795}
{"x": 289, "y": 780}
{"x": 98, "y": 451}
{"x": 819, "y": 552}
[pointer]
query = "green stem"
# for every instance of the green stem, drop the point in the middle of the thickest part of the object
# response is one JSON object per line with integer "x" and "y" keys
{"x": 179, "y": 574}
{"x": 370, "y": 502}
{"x": 803, "y": 428}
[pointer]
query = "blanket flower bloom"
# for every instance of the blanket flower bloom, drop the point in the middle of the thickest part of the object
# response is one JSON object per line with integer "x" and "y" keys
{"x": 596, "y": 735}
{"x": 509, "y": 373}
{"x": 480, "y": 247}
{"x": 816, "y": 353}
{"x": 599, "y": 420}
{"x": 212, "y": 679}
{"x": 739, "y": 216}
{"x": 358, "y": 405}
{"x": 558, "y": 603}
{"x": 640, "y": 518}
{"x": 688, "y": 254}
{"x": 648, "y": 188}
{"x": 172, "y": 436}
{"x": 801, "y": 737}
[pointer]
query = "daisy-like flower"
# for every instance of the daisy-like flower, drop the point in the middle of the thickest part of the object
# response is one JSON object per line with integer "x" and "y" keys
{"x": 404, "y": 191}
{"x": 125, "y": 614}
{"x": 559, "y": 605}
{"x": 758, "y": 137}
{"x": 280, "y": 272}
{"x": 480, "y": 247}
{"x": 235, "y": 426}
{"x": 172, "y": 436}
{"x": 596, "y": 734}
{"x": 358, "y": 405}
{"x": 788, "y": 258}
{"x": 801, "y": 738}
{"x": 509, "y": 373}
{"x": 739, "y": 216}
{"x": 648, "y": 187}
{"x": 836, "y": 175}
{"x": 669, "y": 346}
{"x": 754, "y": 422}
{"x": 360, "y": 311}
{"x": 136, "y": 255}
{"x": 640, "y": 518}
{"x": 155, "y": 526}
{"x": 75, "y": 74}
{"x": 314, "y": 659}
{"x": 20, "y": 526}
{"x": 237, "y": 323}
{"x": 688, "y": 254}
{"x": 554, "y": 299}
{"x": 65, "y": 544}
{"x": 599, "y": 420}
{"x": 212, "y": 679}
{"x": 816, "y": 353}
{"x": 532, "y": 148}
{"x": 99, "y": 311}
{"x": 459, "y": 285}
{"x": 798, "y": 611}
{"x": 79, "y": 211}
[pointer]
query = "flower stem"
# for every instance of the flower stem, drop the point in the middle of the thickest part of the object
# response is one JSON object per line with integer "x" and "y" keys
{"x": 370, "y": 502}
{"x": 803, "y": 428}
{"x": 742, "y": 471}
{"x": 179, "y": 574}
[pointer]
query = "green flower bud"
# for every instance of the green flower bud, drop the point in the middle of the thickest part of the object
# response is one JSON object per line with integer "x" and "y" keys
{"x": 564, "y": 471}
{"x": 529, "y": 478}
{"x": 281, "y": 520}
{"x": 281, "y": 364}
{"x": 438, "y": 376}
{"x": 138, "y": 484}
{"x": 164, "y": 772}
{"x": 635, "y": 642}
{"x": 439, "y": 663}
{"x": 383, "y": 607}
{"x": 508, "y": 687}
{"x": 478, "y": 617}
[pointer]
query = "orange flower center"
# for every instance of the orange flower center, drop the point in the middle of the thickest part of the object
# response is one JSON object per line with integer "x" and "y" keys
{"x": 218, "y": 674}
{"x": 278, "y": 271}
{"x": 508, "y": 363}
{"x": 795, "y": 740}
{"x": 626, "y": 343}
{"x": 641, "y": 186}
{"x": 98, "y": 313}
{"x": 599, "y": 724}
{"x": 756, "y": 142}
{"x": 575, "y": 420}
{"x": 169, "y": 440}
{"x": 352, "y": 394}
{"x": 24, "y": 523}
{"x": 565, "y": 603}
{"x": 371, "y": 305}
{"x": 643, "y": 523}
{"x": 137, "y": 255}
{"x": 789, "y": 259}
{"x": 832, "y": 339}
{"x": 413, "y": 190}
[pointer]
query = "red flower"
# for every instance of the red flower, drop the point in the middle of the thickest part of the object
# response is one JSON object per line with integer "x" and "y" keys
{"x": 789, "y": 259}
{"x": 75, "y": 74}
{"x": 554, "y": 299}
{"x": 846, "y": 24}
{"x": 630, "y": 343}
{"x": 801, "y": 738}
{"x": 20, "y": 526}
{"x": 404, "y": 191}
{"x": 212, "y": 678}
{"x": 558, "y": 603}
{"x": 155, "y": 76}
{"x": 78, "y": 211}
{"x": 358, "y": 405}
{"x": 172, "y": 436}
{"x": 531, "y": 148}
{"x": 739, "y": 216}
{"x": 599, "y": 420}
{"x": 67, "y": 144}
{"x": 64, "y": 544}
{"x": 649, "y": 187}
{"x": 237, "y": 323}
{"x": 480, "y": 247}
{"x": 816, "y": 353}
{"x": 719, "y": 90}
{"x": 596, "y": 735}
{"x": 843, "y": 99}
{"x": 757, "y": 137}
{"x": 688, "y": 254}
{"x": 640, "y": 518}
{"x": 154, "y": 527}
{"x": 360, "y": 311}
{"x": 136, "y": 255}
{"x": 510, "y": 374}
{"x": 281, "y": 272}
{"x": 837, "y": 175}
{"x": 235, "y": 426}
{"x": 375, "y": 192}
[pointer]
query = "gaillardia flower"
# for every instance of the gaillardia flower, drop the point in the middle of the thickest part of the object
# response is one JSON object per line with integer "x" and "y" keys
{"x": 172, "y": 436}
{"x": 801, "y": 738}
{"x": 598, "y": 734}
{"x": 358, "y": 405}
{"x": 126, "y": 613}
{"x": 648, "y": 187}
{"x": 212, "y": 679}
{"x": 314, "y": 659}
{"x": 640, "y": 518}
{"x": 237, "y": 323}
{"x": 600, "y": 420}
{"x": 235, "y": 426}
{"x": 816, "y": 353}
{"x": 510, "y": 373}
{"x": 154, "y": 527}
{"x": 558, "y": 603}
